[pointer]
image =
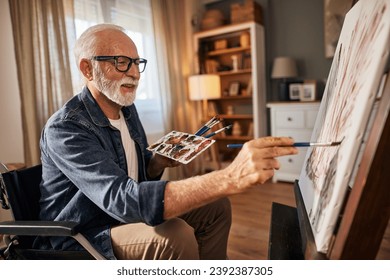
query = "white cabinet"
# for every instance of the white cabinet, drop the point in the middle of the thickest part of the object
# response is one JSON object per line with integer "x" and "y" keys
{"x": 296, "y": 120}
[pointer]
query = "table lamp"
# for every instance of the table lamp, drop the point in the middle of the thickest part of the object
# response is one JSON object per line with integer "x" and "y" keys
{"x": 203, "y": 87}
{"x": 284, "y": 68}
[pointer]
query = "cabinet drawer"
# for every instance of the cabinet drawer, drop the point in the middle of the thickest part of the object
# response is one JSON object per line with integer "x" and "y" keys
{"x": 299, "y": 135}
{"x": 290, "y": 119}
{"x": 292, "y": 164}
{"x": 311, "y": 118}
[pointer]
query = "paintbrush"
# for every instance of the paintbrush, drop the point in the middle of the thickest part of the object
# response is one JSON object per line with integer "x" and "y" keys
{"x": 218, "y": 131}
{"x": 207, "y": 126}
{"x": 298, "y": 144}
{"x": 316, "y": 144}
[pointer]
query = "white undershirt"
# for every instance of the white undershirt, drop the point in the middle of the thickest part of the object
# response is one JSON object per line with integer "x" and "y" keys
{"x": 128, "y": 145}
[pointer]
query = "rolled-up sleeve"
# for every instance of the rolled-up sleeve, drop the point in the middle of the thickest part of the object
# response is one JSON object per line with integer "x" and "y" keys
{"x": 151, "y": 202}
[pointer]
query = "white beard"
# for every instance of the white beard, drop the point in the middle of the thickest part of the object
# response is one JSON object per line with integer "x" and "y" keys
{"x": 112, "y": 89}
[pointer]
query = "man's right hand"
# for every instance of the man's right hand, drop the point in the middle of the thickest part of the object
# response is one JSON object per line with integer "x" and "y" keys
{"x": 256, "y": 162}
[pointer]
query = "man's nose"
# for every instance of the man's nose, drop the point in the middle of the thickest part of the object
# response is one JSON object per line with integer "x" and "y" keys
{"x": 133, "y": 72}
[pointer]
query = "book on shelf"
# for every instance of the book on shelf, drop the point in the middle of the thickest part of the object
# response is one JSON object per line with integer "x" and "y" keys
{"x": 249, "y": 87}
{"x": 211, "y": 66}
{"x": 250, "y": 130}
{"x": 212, "y": 109}
{"x": 240, "y": 61}
{"x": 247, "y": 63}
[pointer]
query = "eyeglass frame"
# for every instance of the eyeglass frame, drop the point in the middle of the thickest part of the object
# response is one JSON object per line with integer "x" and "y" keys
{"x": 136, "y": 61}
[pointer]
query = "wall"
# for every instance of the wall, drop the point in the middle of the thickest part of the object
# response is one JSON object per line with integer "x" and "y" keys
{"x": 11, "y": 137}
{"x": 293, "y": 28}
{"x": 11, "y": 142}
{"x": 296, "y": 29}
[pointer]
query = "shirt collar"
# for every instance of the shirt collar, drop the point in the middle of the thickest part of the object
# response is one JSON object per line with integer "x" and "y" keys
{"x": 96, "y": 114}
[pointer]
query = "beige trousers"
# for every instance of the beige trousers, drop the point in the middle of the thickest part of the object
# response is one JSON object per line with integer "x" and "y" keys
{"x": 200, "y": 234}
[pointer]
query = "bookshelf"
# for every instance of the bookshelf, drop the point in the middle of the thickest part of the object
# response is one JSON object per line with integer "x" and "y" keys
{"x": 237, "y": 54}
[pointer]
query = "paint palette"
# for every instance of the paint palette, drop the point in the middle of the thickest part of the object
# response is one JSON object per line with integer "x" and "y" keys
{"x": 180, "y": 146}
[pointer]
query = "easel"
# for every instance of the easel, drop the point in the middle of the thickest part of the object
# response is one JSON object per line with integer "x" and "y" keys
{"x": 212, "y": 161}
{"x": 366, "y": 210}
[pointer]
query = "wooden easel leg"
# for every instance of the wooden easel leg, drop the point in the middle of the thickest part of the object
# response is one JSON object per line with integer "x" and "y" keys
{"x": 212, "y": 160}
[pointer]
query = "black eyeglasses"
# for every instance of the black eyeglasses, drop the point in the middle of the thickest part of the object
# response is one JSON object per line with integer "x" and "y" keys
{"x": 123, "y": 63}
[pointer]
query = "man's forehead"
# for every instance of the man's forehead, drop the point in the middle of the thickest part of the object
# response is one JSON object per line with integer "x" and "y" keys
{"x": 115, "y": 41}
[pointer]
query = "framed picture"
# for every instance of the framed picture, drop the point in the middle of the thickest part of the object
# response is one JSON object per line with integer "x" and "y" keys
{"x": 295, "y": 91}
{"x": 308, "y": 92}
{"x": 334, "y": 14}
{"x": 234, "y": 88}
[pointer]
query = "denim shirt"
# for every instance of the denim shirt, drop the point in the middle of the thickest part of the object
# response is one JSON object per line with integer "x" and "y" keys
{"x": 84, "y": 175}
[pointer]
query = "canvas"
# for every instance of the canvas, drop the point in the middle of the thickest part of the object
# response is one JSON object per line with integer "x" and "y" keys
{"x": 353, "y": 82}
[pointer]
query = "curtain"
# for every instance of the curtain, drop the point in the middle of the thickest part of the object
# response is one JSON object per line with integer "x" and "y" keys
{"x": 42, "y": 64}
{"x": 175, "y": 63}
{"x": 136, "y": 17}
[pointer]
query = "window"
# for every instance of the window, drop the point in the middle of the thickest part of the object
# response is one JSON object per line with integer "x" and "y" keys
{"x": 136, "y": 17}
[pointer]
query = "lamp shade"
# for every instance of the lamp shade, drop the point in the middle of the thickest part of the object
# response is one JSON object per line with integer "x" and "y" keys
{"x": 284, "y": 67}
{"x": 203, "y": 87}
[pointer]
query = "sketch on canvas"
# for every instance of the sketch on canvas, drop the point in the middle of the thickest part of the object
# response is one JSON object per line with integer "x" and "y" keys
{"x": 357, "y": 68}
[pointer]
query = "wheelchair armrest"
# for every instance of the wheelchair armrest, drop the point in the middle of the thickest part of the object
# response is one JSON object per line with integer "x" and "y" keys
{"x": 48, "y": 228}
{"x": 43, "y": 228}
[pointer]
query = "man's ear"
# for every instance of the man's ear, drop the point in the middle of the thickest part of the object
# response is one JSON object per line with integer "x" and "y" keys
{"x": 86, "y": 69}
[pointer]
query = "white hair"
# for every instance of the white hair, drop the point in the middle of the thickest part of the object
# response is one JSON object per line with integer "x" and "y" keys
{"x": 86, "y": 44}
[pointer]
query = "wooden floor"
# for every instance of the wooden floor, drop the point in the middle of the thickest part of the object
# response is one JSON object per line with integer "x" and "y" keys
{"x": 249, "y": 234}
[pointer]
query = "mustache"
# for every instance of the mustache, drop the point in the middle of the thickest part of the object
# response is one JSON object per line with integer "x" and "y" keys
{"x": 129, "y": 81}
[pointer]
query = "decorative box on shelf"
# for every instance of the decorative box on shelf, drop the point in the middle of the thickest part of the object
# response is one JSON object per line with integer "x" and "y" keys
{"x": 249, "y": 11}
{"x": 296, "y": 120}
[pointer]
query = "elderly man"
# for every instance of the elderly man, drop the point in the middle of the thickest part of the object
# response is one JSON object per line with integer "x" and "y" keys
{"x": 98, "y": 172}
